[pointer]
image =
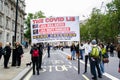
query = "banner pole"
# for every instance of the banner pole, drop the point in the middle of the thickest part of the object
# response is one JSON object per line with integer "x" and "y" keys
{"x": 78, "y": 60}
{"x": 79, "y": 53}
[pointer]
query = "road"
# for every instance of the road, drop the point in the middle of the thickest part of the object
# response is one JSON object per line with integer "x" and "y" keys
{"x": 58, "y": 67}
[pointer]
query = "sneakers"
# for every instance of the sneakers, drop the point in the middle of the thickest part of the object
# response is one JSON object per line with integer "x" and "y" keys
{"x": 33, "y": 73}
{"x": 37, "y": 73}
{"x": 100, "y": 76}
{"x": 6, "y": 67}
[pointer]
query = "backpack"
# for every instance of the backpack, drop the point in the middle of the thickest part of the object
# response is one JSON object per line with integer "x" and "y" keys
{"x": 95, "y": 52}
{"x": 3, "y": 51}
{"x": 35, "y": 53}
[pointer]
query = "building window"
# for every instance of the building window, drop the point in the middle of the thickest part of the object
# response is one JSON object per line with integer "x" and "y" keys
{"x": 13, "y": 25}
{"x": 1, "y": 5}
{"x": 7, "y": 23}
{"x": 1, "y": 20}
{"x": 1, "y": 36}
{"x": 12, "y": 12}
{"x": 7, "y": 37}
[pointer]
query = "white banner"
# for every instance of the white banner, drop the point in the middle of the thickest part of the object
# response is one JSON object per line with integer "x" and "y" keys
{"x": 55, "y": 29}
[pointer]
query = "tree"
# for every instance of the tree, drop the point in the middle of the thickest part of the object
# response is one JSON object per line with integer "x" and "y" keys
{"x": 103, "y": 27}
{"x": 30, "y": 16}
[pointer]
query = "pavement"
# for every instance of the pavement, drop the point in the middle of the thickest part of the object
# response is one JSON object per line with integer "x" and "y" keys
{"x": 14, "y": 73}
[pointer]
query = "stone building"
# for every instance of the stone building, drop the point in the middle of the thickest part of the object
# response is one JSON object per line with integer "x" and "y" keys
{"x": 7, "y": 20}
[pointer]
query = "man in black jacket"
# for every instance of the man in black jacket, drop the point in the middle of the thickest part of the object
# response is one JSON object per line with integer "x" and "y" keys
{"x": 7, "y": 55}
{"x": 35, "y": 59}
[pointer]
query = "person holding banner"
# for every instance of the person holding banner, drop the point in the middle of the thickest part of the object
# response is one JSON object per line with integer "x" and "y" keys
{"x": 88, "y": 49}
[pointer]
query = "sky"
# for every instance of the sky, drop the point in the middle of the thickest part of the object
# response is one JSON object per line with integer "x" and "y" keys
{"x": 56, "y": 8}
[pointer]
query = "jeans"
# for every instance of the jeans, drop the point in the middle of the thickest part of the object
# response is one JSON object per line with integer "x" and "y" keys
{"x": 73, "y": 54}
{"x": 102, "y": 66}
{"x": 81, "y": 54}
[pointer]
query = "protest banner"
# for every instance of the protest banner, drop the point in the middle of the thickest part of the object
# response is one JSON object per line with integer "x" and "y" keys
{"x": 55, "y": 29}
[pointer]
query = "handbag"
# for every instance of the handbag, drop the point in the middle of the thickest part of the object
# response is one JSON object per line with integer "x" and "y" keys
{"x": 3, "y": 51}
{"x": 105, "y": 60}
{"x": 119, "y": 67}
{"x": 119, "y": 70}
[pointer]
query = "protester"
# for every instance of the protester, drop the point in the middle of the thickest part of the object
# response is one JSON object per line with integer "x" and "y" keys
{"x": 118, "y": 50}
{"x": 81, "y": 50}
{"x": 104, "y": 54}
{"x": 7, "y": 55}
{"x": 95, "y": 60}
{"x": 40, "y": 48}
{"x": 19, "y": 54}
{"x": 87, "y": 52}
{"x": 73, "y": 51}
{"x": 48, "y": 50}
{"x": 1, "y": 53}
{"x": 35, "y": 58}
{"x": 111, "y": 50}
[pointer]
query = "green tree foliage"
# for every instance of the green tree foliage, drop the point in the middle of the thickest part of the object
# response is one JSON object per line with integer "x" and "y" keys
{"x": 30, "y": 16}
{"x": 102, "y": 26}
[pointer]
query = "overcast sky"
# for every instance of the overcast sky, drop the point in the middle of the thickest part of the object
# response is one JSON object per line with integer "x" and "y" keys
{"x": 64, "y": 7}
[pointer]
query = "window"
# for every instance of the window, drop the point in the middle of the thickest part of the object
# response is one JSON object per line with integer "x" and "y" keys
{"x": 7, "y": 37}
{"x": 1, "y": 36}
{"x": 1, "y": 5}
{"x": 1, "y": 20}
{"x": 7, "y": 23}
{"x": 13, "y": 25}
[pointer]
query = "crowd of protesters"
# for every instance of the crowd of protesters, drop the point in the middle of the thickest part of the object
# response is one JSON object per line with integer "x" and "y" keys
{"x": 16, "y": 52}
{"x": 87, "y": 49}
{"x": 84, "y": 51}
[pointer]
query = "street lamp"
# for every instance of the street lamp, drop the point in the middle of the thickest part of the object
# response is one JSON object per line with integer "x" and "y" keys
{"x": 16, "y": 17}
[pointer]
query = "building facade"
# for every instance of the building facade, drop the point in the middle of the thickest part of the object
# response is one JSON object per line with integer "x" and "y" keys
{"x": 7, "y": 20}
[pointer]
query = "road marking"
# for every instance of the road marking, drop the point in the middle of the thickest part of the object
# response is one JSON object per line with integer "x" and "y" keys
{"x": 110, "y": 76}
{"x": 86, "y": 78}
{"x": 84, "y": 63}
{"x": 70, "y": 63}
{"x": 75, "y": 68}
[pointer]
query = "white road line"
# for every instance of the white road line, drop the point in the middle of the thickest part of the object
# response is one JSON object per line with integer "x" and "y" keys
{"x": 86, "y": 78}
{"x": 75, "y": 68}
{"x": 110, "y": 76}
{"x": 70, "y": 63}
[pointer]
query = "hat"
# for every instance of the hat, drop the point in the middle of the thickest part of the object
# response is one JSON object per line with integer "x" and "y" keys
{"x": 94, "y": 42}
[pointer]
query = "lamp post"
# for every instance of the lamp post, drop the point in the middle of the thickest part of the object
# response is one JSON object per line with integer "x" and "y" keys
{"x": 16, "y": 17}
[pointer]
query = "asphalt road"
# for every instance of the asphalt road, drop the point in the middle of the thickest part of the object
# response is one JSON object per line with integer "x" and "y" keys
{"x": 58, "y": 67}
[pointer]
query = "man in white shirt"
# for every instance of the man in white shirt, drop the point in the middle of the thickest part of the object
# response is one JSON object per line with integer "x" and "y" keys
{"x": 87, "y": 51}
